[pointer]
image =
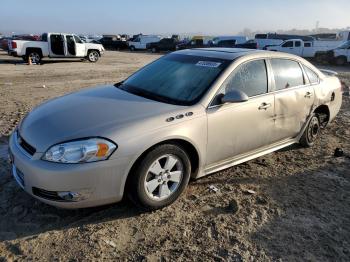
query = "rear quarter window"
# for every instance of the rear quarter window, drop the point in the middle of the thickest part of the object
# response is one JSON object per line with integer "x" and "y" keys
{"x": 287, "y": 73}
{"x": 313, "y": 77}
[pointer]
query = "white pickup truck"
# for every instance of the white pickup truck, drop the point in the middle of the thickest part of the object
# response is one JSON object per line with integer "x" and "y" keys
{"x": 307, "y": 49}
{"x": 55, "y": 45}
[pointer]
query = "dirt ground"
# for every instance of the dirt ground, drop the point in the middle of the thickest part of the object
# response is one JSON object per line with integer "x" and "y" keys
{"x": 300, "y": 210}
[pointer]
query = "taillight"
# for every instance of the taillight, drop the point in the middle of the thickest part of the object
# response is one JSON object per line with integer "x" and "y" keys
{"x": 14, "y": 45}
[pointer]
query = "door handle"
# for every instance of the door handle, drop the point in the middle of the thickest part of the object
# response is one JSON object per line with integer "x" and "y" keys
{"x": 308, "y": 94}
{"x": 264, "y": 106}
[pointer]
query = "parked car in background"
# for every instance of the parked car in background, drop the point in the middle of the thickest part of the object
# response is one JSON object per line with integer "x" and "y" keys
{"x": 140, "y": 42}
{"x": 165, "y": 44}
{"x": 4, "y": 43}
{"x": 188, "y": 114}
{"x": 339, "y": 55}
{"x": 237, "y": 39}
{"x": 55, "y": 45}
{"x": 113, "y": 42}
{"x": 223, "y": 43}
{"x": 250, "y": 44}
{"x": 198, "y": 43}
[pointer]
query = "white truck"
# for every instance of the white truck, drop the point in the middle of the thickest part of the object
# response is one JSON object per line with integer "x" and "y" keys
{"x": 237, "y": 39}
{"x": 141, "y": 41}
{"x": 340, "y": 55}
{"x": 307, "y": 49}
{"x": 55, "y": 45}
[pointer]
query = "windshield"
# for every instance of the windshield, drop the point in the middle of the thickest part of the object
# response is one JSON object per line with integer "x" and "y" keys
{"x": 345, "y": 45}
{"x": 175, "y": 79}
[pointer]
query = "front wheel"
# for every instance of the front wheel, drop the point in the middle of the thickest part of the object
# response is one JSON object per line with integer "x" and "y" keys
{"x": 311, "y": 133}
{"x": 160, "y": 177}
{"x": 93, "y": 56}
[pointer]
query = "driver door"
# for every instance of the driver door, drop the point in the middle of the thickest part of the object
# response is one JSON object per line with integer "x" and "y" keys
{"x": 79, "y": 47}
{"x": 71, "y": 50}
{"x": 239, "y": 128}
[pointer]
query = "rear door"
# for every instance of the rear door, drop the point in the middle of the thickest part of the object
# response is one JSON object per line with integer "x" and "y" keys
{"x": 298, "y": 48}
{"x": 56, "y": 45}
{"x": 292, "y": 47}
{"x": 239, "y": 128}
{"x": 79, "y": 47}
{"x": 294, "y": 98}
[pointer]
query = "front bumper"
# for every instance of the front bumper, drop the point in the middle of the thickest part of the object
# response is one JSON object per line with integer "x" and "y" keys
{"x": 90, "y": 184}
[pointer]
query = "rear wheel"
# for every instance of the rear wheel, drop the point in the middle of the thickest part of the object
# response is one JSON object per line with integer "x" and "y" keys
{"x": 311, "y": 133}
{"x": 160, "y": 177}
{"x": 132, "y": 48}
{"x": 341, "y": 60}
{"x": 34, "y": 57}
{"x": 154, "y": 50}
{"x": 93, "y": 56}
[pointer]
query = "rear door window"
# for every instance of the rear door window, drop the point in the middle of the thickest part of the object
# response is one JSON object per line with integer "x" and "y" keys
{"x": 287, "y": 73}
{"x": 250, "y": 78}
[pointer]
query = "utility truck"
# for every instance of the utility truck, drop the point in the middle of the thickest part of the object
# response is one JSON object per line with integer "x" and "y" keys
{"x": 55, "y": 45}
{"x": 339, "y": 55}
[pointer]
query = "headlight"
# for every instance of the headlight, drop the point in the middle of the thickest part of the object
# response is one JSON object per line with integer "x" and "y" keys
{"x": 80, "y": 151}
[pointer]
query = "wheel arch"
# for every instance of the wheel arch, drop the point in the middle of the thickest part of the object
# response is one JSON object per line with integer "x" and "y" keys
{"x": 323, "y": 113}
{"x": 37, "y": 49}
{"x": 189, "y": 148}
{"x": 92, "y": 49}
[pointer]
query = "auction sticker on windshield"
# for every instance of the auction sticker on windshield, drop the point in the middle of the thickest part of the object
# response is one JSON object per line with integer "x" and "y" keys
{"x": 208, "y": 64}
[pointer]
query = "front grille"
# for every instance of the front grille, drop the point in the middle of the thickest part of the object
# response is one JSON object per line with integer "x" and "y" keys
{"x": 49, "y": 195}
{"x": 27, "y": 147}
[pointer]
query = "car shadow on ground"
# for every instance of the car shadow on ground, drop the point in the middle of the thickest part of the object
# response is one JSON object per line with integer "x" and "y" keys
{"x": 314, "y": 223}
{"x": 299, "y": 215}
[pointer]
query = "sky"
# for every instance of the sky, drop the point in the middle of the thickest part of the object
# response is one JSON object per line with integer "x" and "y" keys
{"x": 170, "y": 16}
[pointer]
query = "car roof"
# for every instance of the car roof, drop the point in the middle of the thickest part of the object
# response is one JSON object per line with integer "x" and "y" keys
{"x": 234, "y": 53}
{"x": 221, "y": 53}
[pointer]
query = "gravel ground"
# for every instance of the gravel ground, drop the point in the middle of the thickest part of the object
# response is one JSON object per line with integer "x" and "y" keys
{"x": 299, "y": 209}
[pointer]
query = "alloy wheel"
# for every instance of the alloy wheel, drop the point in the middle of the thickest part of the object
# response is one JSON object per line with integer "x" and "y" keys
{"x": 163, "y": 177}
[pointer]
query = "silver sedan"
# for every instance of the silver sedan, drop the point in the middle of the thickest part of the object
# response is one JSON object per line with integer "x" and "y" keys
{"x": 186, "y": 115}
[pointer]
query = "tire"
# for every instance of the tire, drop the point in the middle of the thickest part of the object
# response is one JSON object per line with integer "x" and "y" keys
{"x": 34, "y": 56}
{"x": 311, "y": 132}
{"x": 340, "y": 60}
{"x": 132, "y": 48}
{"x": 154, "y": 50}
{"x": 93, "y": 56}
{"x": 152, "y": 185}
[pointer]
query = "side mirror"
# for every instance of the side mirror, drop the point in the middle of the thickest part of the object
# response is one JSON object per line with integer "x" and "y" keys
{"x": 234, "y": 96}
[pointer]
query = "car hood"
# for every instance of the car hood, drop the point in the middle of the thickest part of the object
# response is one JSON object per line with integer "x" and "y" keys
{"x": 90, "y": 113}
{"x": 94, "y": 46}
